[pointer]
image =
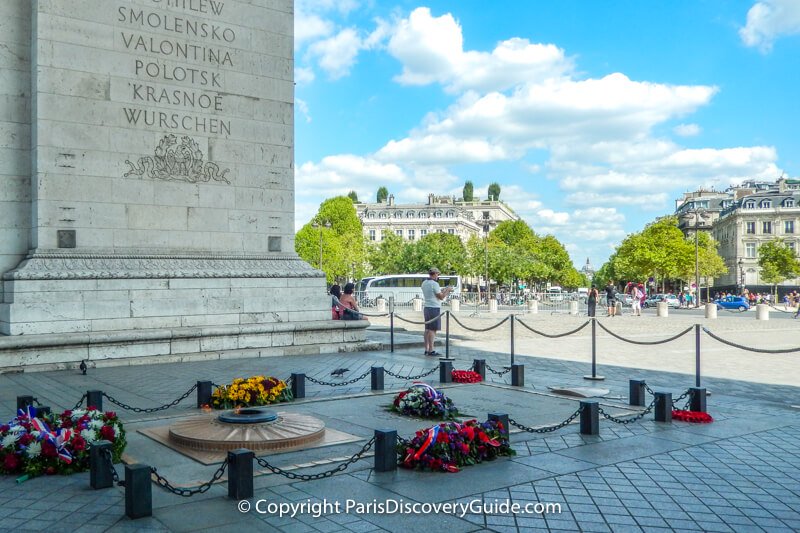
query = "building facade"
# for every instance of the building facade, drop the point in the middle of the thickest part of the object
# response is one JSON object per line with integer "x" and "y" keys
{"x": 440, "y": 214}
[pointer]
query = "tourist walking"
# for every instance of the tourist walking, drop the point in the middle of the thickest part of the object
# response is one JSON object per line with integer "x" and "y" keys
{"x": 433, "y": 296}
{"x": 592, "y": 300}
{"x": 636, "y": 294}
{"x": 611, "y": 300}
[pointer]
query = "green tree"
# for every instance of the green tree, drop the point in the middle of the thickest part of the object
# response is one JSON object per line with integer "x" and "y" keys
{"x": 383, "y": 194}
{"x": 709, "y": 262}
{"x": 442, "y": 250}
{"x": 494, "y": 191}
{"x": 388, "y": 256}
{"x": 778, "y": 262}
{"x": 468, "y": 192}
{"x": 353, "y": 195}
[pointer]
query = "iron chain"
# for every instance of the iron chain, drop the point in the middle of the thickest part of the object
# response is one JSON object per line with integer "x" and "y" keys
{"x": 339, "y": 384}
{"x": 310, "y": 477}
{"x": 186, "y": 493}
{"x": 681, "y": 397}
{"x": 80, "y": 402}
{"x": 649, "y": 390}
{"x": 113, "y": 471}
{"x": 547, "y": 429}
{"x": 419, "y": 376}
{"x": 151, "y": 409}
{"x": 747, "y": 348}
{"x": 631, "y": 420}
{"x": 505, "y": 371}
{"x": 480, "y": 330}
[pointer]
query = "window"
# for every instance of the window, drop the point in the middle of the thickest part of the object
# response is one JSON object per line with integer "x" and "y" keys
{"x": 370, "y": 215}
{"x": 788, "y": 226}
{"x": 383, "y": 215}
{"x": 437, "y": 214}
{"x": 789, "y": 202}
{"x": 384, "y": 233}
{"x": 439, "y": 231}
{"x": 423, "y": 214}
{"x": 397, "y": 214}
{"x": 451, "y": 231}
{"x": 411, "y": 233}
{"x": 410, "y": 214}
{"x": 750, "y": 228}
{"x": 766, "y": 227}
{"x": 766, "y": 204}
{"x": 372, "y": 234}
{"x": 422, "y": 233}
{"x": 451, "y": 214}
{"x": 791, "y": 245}
{"x": 750, "y": 204}
{"x": 750, "y": 250}
{"x": 398, "y": 232}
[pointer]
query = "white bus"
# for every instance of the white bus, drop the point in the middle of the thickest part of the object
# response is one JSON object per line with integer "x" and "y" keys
{"x": 402, "y": 287}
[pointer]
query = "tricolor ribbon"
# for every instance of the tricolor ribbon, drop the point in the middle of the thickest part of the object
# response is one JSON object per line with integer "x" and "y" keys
{"x": 430, "y": 440}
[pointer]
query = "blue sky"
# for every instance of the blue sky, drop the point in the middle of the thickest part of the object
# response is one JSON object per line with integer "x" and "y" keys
{"x": 594, "y": 117}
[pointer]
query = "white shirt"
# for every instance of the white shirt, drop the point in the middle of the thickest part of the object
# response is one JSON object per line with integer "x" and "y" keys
{"x": 430, "y": 288}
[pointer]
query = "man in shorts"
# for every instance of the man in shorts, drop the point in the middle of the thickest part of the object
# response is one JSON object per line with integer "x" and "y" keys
{"x": 611, "y": 298}
{"x": 433, "y": 296}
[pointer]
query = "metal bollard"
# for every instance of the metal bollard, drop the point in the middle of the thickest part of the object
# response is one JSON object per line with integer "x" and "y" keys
{"x": 204, "y": 393}
{"x": 502, "y": 418}
{"x": 298, "y": 385}
{"x": 94, "y": 398}
{"x": 590, "y": 417}
{"x": 24, "y": 401}
{"x": 138, "y": 491}
{"x": 479, "y": 366}
{"x": 445, "y": 371}
{"x": 100, "y": 465}
{"x": 240, "y": 474}
{"x": 663, "y": 407}
{"x": 636, "y": 392}
{"x": 697, "y": 402}
{"x": 376, "y": 378}
{"x": 385, "y": 450}
{"x": 518, "y": 375}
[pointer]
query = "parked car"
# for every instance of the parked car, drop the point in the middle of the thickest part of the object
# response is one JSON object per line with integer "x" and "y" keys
{"x": 733, "y": 302}
{"x": 671, "y": 299}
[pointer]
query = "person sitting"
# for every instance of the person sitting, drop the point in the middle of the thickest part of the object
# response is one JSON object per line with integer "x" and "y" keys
{"x": 337, "y": 309}
{"x": 351, "y": 311}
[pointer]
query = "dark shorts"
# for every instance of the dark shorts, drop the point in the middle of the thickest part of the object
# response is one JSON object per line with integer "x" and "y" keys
{"x": 429, "y": 313}
{"x": 611, "y": 302}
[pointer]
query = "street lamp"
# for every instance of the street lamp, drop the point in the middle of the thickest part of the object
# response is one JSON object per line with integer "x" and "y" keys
{"x": 741, "y": 276}
{"x": 320, "y": 226}
{"x": 697, "y": 214}
{"x": 486, "y": 255}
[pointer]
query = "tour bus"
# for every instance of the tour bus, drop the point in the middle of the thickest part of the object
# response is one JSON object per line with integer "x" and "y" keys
{"x": 402, "y": 287}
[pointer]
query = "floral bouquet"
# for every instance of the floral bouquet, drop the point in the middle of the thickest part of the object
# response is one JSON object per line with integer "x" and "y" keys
{"x": 256, "y": 390}
{"x": 56, "y": 444}
{"x": 449, "y": 446}
{"x": 424, "y": 401}
{"x": 466, "y": 376}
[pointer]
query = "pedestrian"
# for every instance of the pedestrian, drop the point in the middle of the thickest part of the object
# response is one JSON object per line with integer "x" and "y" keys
{"x": 611, "y": 300}
{"x": 433, "y": 296}
{"x": 351, "y": 311}
{"x": 636, "y": 294}
{"x": 592, "y": 300}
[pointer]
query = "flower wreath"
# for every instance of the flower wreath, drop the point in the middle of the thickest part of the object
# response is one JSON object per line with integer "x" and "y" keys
{"x": 695, "y": 417}
{"x": 466, "y": 376}
{"x": 424, "y": 401}
{"x": 449, "y": 446}
{"x": 255, "y": 390}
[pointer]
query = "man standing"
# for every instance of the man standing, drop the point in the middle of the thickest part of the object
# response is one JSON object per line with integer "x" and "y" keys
{"x": 611, "y": 302}
{"x": 636, "y": 294}
{"x": 433, "y": 296}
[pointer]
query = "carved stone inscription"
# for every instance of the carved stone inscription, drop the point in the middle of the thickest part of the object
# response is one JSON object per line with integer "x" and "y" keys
{"x": 165, "y": 61}
{"x": 173, "y": 162}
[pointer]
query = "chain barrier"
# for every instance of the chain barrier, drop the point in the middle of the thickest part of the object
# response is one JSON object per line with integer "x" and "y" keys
{"x": 310, "y": 477}
{"x": 404, "y": 442}
{"x": 80, "y": 402}
{"x": 547, "y": 429}
{"x": 553, "y": 336}
{"x": 338, "y": 383}
{"x": 747, "y": 348}
{"x": 371, "y": 315}
{"x": 681, "y": 397}
{"x": 506, "y": 370}
{"x": 113, "y": 471}
{"x": 151, "y": 409}
{"x": 631, "y": 420}
{"x": 649, "y": 390}
{"x": 775, "y": 307}
{"x": 420, "y": 376}
{"x": 419, "y": 323}
{"x": 186, "y": 493}
{"x": 645, "y": 343}
{"x": 479, "y": 330}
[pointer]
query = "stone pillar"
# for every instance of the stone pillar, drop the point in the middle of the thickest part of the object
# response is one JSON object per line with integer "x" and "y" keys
{"x": 573, "y": 308}
{"x": 492, "y": 306}
{"x": 662, "y": 309}
{"x": 455, "y": 306}
{"x": 381, "y": 304}
{"x": 762, "y": 312}
{"x": 711, "y": 310}
{"x": 416, "y": 305}
{"x": 533, "y": 306}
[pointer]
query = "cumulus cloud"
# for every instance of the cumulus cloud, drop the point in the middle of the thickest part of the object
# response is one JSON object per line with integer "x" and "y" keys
{"x": 687, "y": 130}
{"x": 302, "y": 107}
{"x": 303, "y": 75}
{"x": 337, "y": 54}
{"x": 768, "y": 20}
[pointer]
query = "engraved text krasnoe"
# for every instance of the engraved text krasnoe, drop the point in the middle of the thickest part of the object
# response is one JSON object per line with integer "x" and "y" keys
{"x": 173, "y": 162}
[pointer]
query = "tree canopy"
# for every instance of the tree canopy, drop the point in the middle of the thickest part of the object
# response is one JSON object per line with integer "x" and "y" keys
{"x": 383, "y": 194}
{"x": 353, "y": 195}
{"x": 494, "y": 191}
{"x": 777, "y": 261}
{"x": 469, "y": 192}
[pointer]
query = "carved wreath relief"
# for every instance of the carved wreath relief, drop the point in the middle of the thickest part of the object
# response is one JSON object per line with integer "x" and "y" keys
{"x": 173, "y": 162}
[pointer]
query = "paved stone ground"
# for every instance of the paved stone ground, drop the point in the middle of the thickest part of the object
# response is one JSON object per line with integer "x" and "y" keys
{"x": 741, "y": 473}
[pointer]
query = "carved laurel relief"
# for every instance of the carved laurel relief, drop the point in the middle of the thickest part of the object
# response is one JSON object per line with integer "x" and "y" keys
{"x": 174, "y": 162}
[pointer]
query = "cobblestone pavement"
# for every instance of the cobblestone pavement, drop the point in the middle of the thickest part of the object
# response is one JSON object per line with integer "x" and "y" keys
{"x": 740, "y": 473}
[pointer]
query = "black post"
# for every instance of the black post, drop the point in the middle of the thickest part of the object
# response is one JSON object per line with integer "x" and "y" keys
{"x": 447, "y": 335}
{"x": 697, "y": 355}
{"x": 376, "y": 378}
{"x": 204, "y": 393}
{"x": 594, "y": 376}
{"x": 24, "y": 401}
{"x": 502, "y": 419}
{"x": 94, "y": 398}
{"x": 479, "y": 366}
{"x": 445, "y": 371}
{"x": 697, "y": 397}
{"x": 138, "y": 491}
{"x": 663, "y": 411}
{"x": 100, "y": 465}
{"x": 240, "y": 474}
{"x": 518, "y": 375}
{"x": 298, "y": 385}
{"x": 512, "y": 340}
{"x": 636, "y": 392}
{"x": 385, "y": 450}
{"x": 590, "y": 417}
{"x": 43, "y": 410}
{"x": 391, "y": 331}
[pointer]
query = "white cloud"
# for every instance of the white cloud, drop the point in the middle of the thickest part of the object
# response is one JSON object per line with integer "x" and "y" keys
{"x": 302, "y": 106}
{"x": 653, "y": 201}
{"x": 336, "y": 55}
{"x": 769, "y": 19}
{"x": 303, "y": 75}
{"x": 687, "y": 130}
{"x": 553, "y": 217}
{"x": 310, "y": 27}
{"x": 441, "y": 150}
